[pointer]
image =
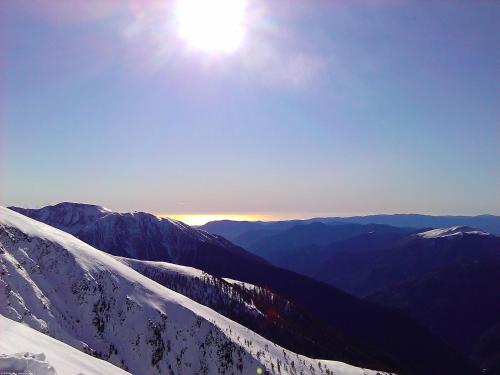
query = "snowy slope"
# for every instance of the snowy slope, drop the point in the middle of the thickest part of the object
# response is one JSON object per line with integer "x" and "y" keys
{"x": 197, "y": 285}
{"x": 257, "y": 308}
{"x": 61, "y": 286}
{"x": 451, "y": 231}
{"x": 25, "y": 350}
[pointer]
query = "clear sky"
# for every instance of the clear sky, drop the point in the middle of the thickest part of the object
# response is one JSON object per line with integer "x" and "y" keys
{"x": 300, "y": 108}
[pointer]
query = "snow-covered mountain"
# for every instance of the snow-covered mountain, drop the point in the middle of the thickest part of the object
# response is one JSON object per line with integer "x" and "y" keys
{"x": 144, "y": 236}
{"x": 27, "y": 351}
{"x": 452, "y": 231}
{"x": 67, "y": 216}
{"x": 202, "y": 287}
{"x": 366, "y": 264}
{"x": 60, "y": 286}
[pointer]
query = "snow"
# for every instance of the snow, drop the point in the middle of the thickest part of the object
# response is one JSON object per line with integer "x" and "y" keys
{"x": 61, "y": 286}
{"x": 214, "y": 292}
{"x": 25, "y": 350}
{"x": 451, "y": 231}
{"x": 241, "y": 283}
{"x": 171, "y": 268}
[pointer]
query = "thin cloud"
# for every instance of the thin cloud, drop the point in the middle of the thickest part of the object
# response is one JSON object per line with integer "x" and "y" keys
{"x": 270, "y": 65}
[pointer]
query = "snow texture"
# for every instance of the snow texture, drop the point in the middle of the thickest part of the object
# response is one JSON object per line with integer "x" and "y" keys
{"x": 31, "y": 352}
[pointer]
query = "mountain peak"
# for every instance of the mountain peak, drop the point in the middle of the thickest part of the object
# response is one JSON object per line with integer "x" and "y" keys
{"x": 82, "y": 206}
{"x": 451, "y": 231}
{"x": 67, "y": 206}
{"x": 66, "y": 214}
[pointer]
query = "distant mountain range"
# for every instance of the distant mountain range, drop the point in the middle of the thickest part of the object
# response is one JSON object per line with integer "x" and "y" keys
{"x": 232, "y": 229}
{"x": 393, "y": 341}
{"x": 368, "y": 263}
{"x": 305, "y": 248}
{"x": 445, "y": 278}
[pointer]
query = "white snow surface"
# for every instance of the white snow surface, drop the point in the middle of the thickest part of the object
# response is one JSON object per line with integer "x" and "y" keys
{"x": 171, "y": 268}
{"x": 240, "y": 283}
{"x": 62, "y": 287}
{"x": 196, "y": 284}
{"x": 25, "y": 350}
{"x": 451, "y": 231}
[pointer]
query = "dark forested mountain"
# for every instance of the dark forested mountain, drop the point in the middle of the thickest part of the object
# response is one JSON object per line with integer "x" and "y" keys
{"x": 233, "y": 229}
{"x": 488, "y": 223}
{"x": 402, "y": 344}
{"x": 447, "y": 279}
{"x": 369, "y": 263}
{"x": 460, "y": 302}
{"x": 304, "y": 248}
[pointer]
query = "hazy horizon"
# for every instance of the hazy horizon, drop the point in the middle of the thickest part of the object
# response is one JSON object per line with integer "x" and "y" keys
{"x": 200, "y": 218}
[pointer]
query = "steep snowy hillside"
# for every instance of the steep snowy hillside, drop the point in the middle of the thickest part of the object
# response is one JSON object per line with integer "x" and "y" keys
{"x": 63, "y": 287}
{"x": 258, "y": 309}
{"x": 197, "y": 285}
{"x": 25, "y": 350}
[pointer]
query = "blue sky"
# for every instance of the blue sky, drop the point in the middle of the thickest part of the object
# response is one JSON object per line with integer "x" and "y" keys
{"x": 327, "y": 107}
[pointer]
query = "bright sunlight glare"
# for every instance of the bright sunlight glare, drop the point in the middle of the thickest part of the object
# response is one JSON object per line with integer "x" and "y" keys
{"x": 212, "y": 26}
{"x": 200, "y": 219}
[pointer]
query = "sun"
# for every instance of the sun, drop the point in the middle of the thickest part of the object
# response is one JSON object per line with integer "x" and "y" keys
{"x": 212, "y": 25}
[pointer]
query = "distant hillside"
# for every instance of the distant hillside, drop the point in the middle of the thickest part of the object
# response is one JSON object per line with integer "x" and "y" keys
{"x": 233, "y": 229}
{"x": 371, "y": 262}
{"x": 305, "y": 248}
{"x": 445, "y": 278}
{"x": 460, "y": 302}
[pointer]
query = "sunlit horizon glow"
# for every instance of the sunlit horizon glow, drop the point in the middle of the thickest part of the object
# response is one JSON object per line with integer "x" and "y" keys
{"x": 203, "y": 218}
{"x": 212, "y": 26}
{"x": 200, "y": 219}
